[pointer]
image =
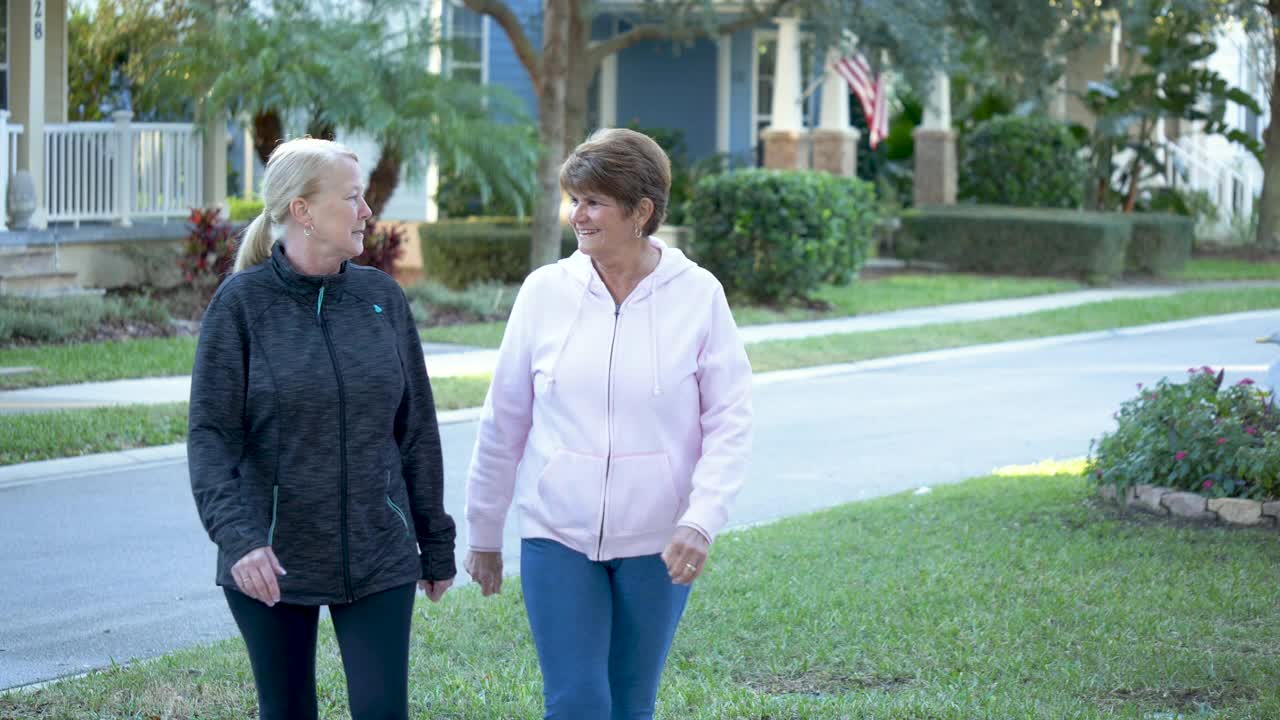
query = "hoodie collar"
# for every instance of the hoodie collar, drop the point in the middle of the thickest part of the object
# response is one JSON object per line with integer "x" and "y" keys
{"x": 305, "y": 287}
{"x": 670, "y": 265}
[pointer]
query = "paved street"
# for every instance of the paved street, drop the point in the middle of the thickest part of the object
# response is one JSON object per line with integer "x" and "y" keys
{"x": 114, "y": 565}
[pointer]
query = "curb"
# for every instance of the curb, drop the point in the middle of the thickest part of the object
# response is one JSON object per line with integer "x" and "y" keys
{"x": 28, "y": 473}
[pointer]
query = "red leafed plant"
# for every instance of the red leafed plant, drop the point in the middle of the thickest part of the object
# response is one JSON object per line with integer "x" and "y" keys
{"x": 382, "y": 246}
{"x": 209, "y": 251}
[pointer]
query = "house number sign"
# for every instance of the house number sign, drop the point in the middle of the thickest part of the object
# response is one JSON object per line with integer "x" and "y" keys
{"x": 37, "y": 27}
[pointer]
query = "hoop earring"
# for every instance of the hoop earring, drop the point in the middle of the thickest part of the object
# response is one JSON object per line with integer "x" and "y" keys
{"x": 308, "y": 229}
{"x": 638, "y": 234}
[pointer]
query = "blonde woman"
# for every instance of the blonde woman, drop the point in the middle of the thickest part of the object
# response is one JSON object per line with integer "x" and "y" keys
{"x": 313, "y": 448}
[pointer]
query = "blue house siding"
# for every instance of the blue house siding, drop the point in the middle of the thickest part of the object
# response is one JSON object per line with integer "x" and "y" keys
{"x": 662, "y": 85}
{"x": 742, "y": 52}
{"x": 505, "y": 68}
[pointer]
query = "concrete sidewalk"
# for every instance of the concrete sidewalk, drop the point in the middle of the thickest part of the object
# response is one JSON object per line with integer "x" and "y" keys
{"x": 451, "y": 361}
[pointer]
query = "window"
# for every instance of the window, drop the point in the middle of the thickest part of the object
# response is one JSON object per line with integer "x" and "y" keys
{"x": 467, "y": 52}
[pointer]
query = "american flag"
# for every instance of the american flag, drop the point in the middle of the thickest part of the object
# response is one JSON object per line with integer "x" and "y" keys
{"x": 870, "y": 93}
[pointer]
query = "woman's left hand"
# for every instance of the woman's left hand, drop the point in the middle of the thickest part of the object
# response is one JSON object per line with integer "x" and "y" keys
{"x": 685, "y": 555}
{"x": 435, "y": 589}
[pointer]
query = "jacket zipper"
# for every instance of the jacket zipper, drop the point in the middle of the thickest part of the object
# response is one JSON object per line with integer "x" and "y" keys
{"x": 342, "y": 445}
{"x": 608, "y": 423}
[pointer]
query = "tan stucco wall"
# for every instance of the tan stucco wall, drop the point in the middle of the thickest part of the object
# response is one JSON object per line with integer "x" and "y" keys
{"x": 122, "y": 264}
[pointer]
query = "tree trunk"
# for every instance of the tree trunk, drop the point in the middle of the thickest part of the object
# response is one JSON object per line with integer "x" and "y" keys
{"x": 383, "y": 179}
{"x": 578, "y": 79}
{"x": 545, "y": 245}
{"x": 268, "y": 132}
{"x": 1269, "y": 208}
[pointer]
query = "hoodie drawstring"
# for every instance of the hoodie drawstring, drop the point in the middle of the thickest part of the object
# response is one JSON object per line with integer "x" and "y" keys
{"x": 653, "y": 340}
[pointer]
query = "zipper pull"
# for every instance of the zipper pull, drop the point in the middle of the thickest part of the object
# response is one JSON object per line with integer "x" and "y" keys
{"x": 319, "y": 302}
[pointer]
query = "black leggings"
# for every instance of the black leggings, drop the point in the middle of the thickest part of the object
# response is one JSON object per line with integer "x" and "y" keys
{"x": 373, "y": 635}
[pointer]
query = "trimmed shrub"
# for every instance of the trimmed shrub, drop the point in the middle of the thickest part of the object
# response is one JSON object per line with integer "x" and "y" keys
{"x": 243, "y": 210}
{"x": 25, "y": 320}
{"x": 773, "y": 236}
{"x": 1195, "y": 436}
{"x": 459, "y": 253}
{"x": 1159, "y": 244}
{"x": 1016, "y": 241}
{"x": 1023, "y": 162}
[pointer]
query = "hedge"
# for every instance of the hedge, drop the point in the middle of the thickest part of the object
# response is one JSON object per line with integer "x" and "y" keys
{"x": 1028, "y": 161}
{"x": 772, "y": 236}
{"x": 1160, "y": 244}
{"x": 460, "y": 253}
{"x": 1019, "y": 241}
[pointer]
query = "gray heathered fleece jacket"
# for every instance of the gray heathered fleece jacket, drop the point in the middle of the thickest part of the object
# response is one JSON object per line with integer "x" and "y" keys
{"x": 312, "y": 430}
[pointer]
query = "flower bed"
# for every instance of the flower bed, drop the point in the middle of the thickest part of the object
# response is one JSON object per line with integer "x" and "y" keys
{"x": 1195, "y": 439}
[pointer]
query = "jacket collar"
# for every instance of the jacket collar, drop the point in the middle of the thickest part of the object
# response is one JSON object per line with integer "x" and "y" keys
{"x": 306, "y": 287}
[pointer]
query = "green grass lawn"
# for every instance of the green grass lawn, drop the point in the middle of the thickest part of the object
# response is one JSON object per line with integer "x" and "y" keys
{"x": 894, "y": 292}
{"x": 68, "y": 433}
{"x": 781, "y": 355}
{"x": 1010, "y": 596}
{"x": 1208, "y": 269}
{"x": 91, "y": 362}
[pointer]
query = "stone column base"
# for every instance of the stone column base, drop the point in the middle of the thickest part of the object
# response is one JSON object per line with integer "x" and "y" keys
{"x": 786, "y": 149}
{"x": 935, "y": 178}
{"x": 835, "y": 151}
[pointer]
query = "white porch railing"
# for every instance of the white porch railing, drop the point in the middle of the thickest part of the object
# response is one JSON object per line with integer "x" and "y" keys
{"x": 117, "y": 171}
{"x": 1187, "y": 165}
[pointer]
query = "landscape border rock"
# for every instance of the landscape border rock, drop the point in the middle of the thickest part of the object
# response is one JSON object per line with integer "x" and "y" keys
{"x": 1163, "y": 501}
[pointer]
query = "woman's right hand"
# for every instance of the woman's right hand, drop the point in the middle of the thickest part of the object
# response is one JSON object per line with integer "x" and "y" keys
{"x": 255, "y": 575}
{"x": 485, "y": 568}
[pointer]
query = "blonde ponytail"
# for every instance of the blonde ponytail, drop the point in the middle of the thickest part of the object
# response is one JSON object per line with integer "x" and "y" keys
{"x": 255, "y": 243}
{"x": 297, "y": 168}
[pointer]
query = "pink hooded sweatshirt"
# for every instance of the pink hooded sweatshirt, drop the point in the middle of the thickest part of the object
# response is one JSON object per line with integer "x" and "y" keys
{"x": 613, "y": 424}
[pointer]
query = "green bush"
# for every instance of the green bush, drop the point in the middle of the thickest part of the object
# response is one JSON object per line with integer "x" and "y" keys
{"x": 1194, "y": 436}
{"x": 243, "y": 210}
{"x": 1016, "y": 241}
{"x": 1023, "y": 162}
{"x": 26, "y": 320}
{"x": 1159, "y": 244}
{"x": 775, "y": 236}
{"x": 434, "y": 303}
{"x": 460, "y": 253}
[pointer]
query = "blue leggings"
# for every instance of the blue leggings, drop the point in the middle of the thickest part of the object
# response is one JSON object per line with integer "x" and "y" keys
{"x": 602, "y": 629}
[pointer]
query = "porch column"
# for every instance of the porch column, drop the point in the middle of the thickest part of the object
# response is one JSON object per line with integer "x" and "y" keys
{"x": 835, "y": 143}
{"x": 786, "y": 142}
{"x": 28, "y": 29}
{"x": 55, "y": 59}
{"x": 214, "y": 148}
{"x": 435, "y": 66}
{"x": 935, "y": 176}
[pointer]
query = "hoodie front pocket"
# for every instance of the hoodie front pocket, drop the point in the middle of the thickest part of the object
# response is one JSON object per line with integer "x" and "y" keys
{"x": 569, "y": 490}
{"x": 642, "y": 496}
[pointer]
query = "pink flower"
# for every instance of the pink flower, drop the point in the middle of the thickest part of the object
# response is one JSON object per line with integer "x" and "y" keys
{"x": 1246, "y": 381}
{"x": 1139, "y": 386}
{"x": 1180, "y": 455}
{"x": 1251, "y": 430}
{"x": 1222, "y": 441}
{"x": 1207, "y": 484}
{"x": 1206, "y": 369}
{"x": 1191, "y": 370}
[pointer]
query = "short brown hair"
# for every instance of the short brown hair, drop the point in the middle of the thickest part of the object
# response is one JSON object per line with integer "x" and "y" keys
{"x": 624, "y": 165}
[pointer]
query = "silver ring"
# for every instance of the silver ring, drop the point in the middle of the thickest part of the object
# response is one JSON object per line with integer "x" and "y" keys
{"x": 692, "y": 567}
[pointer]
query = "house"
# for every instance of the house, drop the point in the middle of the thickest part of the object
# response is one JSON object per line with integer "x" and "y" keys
{"x": 100, "y": 188}
{"x": 726, "y": 94}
